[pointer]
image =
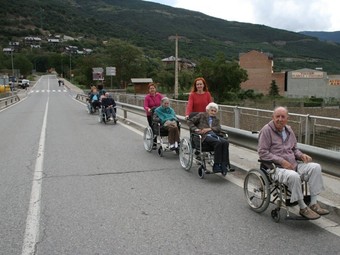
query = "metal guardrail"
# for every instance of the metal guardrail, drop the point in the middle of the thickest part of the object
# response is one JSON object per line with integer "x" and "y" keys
{"x": 7, "y": 101}
{"x": 329, "y": 159}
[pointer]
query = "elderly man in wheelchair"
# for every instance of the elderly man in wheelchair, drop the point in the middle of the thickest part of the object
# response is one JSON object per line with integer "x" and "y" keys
{"x": 108, "y": 109}
{"x": 206, "y": 141}
{"x": 282, "y": 175}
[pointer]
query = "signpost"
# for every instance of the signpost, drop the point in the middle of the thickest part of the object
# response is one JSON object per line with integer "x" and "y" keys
{"x": 111, "y": 71}
{"x": 97, "y": 74}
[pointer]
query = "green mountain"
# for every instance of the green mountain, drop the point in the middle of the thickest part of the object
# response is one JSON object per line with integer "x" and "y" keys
{"x": 324, "y": 36}
{"x": 153, "y": 26}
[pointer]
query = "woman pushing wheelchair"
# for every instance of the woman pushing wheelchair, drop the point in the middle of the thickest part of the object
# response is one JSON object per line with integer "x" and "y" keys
{"x": 208, "y": 126}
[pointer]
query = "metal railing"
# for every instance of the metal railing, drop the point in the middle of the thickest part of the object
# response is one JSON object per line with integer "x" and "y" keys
{"x": 234, "y": 119}
{"x": 7, "y": 101}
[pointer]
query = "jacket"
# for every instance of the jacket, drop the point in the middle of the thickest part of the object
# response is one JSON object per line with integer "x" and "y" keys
{"x": 272, "y": 147}
{"x": 201, "y": 120}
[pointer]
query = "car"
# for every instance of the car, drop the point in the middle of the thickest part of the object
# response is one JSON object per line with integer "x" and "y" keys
{"x": 23, "y": 83}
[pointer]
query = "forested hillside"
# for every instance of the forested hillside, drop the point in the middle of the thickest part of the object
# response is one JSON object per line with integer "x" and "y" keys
{"x": 152, "y": 26}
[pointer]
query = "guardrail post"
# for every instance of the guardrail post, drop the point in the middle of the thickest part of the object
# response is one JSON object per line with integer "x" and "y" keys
{"x": 307, "y": 131}
{"x": 237, "y": 113}
{"x": 125, "y": 114}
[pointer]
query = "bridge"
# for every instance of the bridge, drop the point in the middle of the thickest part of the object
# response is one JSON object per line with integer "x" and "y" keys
{"x": 71, "y": 185}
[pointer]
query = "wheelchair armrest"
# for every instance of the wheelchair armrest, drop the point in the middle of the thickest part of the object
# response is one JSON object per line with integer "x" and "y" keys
{"x": 269, "y": 165}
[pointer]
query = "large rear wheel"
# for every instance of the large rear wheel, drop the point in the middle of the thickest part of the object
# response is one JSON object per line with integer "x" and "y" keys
{"x": 185, "y": 153}
{"x": 257, "y": 190}
{"x": 148, "y": 139}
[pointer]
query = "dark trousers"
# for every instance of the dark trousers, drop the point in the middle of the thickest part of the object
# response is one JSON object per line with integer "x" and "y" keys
{"x": 95, "y": 104}
{"x": 110, "y": 111}
{"x": 221, "y": 149}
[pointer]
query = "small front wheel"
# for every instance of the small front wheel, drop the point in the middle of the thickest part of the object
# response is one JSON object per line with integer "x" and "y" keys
{"x": 276, "y": 214}
{"x": 160, "y": 151}
{"x": 201, "y": 172}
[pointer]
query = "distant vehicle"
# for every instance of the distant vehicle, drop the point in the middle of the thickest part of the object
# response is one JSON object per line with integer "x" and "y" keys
{"x": 23, "y": 83}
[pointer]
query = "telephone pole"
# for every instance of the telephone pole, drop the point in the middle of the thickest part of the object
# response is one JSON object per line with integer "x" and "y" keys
{"x": 176, "y": 68}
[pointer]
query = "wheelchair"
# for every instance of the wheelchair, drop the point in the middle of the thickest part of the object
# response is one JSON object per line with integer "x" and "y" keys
{"x": 90, "y": 109}
{"x": 156, "y": 137}
{"x": 193, "y": 149}
{"x": 103, "y": 118}
{"x": 260, "y": 190}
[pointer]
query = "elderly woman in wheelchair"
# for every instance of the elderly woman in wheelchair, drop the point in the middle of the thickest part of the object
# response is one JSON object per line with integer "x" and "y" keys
{"x": 165, "y": 125}
{"x": 206, "y": 141}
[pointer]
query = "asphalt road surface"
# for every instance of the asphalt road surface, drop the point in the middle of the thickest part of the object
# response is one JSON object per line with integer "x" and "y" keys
{"x": 71, "y": 185}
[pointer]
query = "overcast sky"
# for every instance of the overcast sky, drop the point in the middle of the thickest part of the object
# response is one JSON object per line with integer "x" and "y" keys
{"x": 292, "y": 15}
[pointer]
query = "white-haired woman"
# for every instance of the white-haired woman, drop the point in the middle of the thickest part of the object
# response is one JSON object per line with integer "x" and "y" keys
{"x": 169, "y": 120}
{"x": 208, "y": 125}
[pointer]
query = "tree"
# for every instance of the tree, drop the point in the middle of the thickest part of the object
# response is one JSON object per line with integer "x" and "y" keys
{"x": 224, "y": 77}
{"x": 21, "y": 62}
{"x": 129, "y": 60}
{"x": 274, "y": 89}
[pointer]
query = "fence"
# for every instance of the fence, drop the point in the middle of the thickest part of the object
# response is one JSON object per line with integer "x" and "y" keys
{"x": 312, "y": 130}
{"x": 7, "y": 101}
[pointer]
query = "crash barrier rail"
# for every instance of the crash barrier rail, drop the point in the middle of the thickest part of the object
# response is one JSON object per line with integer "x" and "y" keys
{"x": 329, "y": 159}
{"x": 7, "y": 101}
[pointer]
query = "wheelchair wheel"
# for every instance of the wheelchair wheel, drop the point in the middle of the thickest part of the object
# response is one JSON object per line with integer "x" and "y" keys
{"x": 276, "y": 214}
{"x": 148, "y": 139}
{"x": 256, "y": 190}
{"x": 160, "y": 151}
{"x": 201, "y": 172}
{"x": 100, "y": 116}
{"x": 185, "y": 153}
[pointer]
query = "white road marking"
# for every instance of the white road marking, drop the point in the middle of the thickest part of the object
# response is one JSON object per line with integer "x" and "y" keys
{"x": 31, "y": 235}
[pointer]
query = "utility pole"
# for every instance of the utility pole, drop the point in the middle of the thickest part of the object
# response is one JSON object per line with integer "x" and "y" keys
{"x": 12, "y": 61}
{"x": 176, "y": 68}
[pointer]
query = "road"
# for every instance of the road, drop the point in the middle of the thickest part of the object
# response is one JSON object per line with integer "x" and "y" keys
{"x": 71, "y": 185}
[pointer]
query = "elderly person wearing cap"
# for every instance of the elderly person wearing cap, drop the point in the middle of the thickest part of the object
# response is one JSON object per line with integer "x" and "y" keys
{"x": 208, "y": 125}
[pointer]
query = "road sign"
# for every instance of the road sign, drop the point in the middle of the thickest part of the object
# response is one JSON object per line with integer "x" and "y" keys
{"x": 110, "y": 71}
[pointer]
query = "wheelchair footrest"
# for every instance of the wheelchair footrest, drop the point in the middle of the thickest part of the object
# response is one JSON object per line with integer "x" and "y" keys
{"x": 306, "y": 199}
{"x": 288, "y": 203}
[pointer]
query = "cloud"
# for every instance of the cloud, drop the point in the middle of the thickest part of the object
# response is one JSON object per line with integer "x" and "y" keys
{"x": 292, "y": 15}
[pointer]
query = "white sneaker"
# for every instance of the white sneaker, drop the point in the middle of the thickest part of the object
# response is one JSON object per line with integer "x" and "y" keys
{"x": 110, "y": 118}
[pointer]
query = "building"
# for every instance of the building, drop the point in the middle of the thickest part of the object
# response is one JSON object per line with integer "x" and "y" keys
{"x": 141, "y": 85}
{"x": 183, "y": 63}
{"x": 259, "y": 67}
{"x": 312, "y": 83}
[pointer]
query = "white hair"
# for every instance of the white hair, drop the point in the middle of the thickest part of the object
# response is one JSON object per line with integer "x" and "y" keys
{"x": 212, "y": 105}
